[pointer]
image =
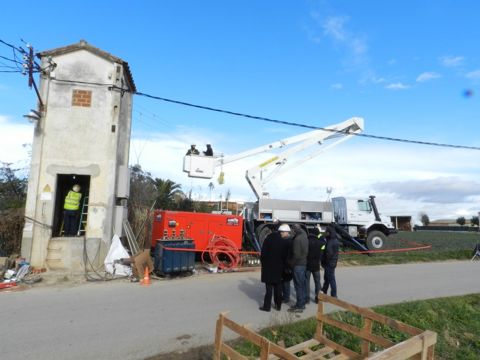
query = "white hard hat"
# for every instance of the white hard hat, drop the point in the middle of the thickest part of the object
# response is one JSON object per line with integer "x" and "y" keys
{"x": 76, "y": 188}
{"x": 284, "y": 227}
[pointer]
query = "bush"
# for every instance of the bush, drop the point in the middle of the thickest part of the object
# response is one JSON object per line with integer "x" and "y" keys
{"x": 11, "y": 229}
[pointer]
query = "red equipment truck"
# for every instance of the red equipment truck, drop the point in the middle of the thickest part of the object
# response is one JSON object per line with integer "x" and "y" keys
{"x": 200, "y": 227}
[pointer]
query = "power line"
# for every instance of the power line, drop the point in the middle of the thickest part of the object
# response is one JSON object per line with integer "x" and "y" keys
{"x": 234, "y": 113}
{"x": 261, "y": 118}
{"x": 12, "y": 46}
{"x": 14, "y": 61}
{"x": 3, "y": 65}
{"x": 88, "y": 83}
{"x": 386, "y": 138}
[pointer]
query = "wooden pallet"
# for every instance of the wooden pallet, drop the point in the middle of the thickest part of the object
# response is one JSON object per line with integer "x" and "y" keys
{"x": 420, "y": 345}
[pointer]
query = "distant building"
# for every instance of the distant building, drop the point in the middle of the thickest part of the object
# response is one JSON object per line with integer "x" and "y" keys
{"x": 447, "y": 222}
{"x": 402, "y": 222}
{"x": 82, "y": 136}
{"x": 222, "y": 207}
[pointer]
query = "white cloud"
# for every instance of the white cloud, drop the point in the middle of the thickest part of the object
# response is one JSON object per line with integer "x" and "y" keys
{"x": 335, "y": 28}
{"x": 405, "y": 178}
{"x": 475, "y": 75}
{"x": 12, "y": 138}
{"x": 426, "y": 76}
{"x": 452, "y": 61}
{"x": 337, "y": 86}
{"x": 439, "y": 190}
{"x": 397, "y": 86}
{"x": 369, "y": 76}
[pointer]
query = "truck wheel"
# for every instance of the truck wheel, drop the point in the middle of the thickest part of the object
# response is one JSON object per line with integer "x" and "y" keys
{"x": 262, "y": 232}
{"x": 376, "y": 240}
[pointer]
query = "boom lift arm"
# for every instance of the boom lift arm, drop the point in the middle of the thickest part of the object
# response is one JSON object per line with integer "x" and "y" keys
{"x": 204, "y": 166}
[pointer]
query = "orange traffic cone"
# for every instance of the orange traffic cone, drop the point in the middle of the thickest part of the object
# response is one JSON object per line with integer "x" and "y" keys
{"x": 146, "y": 277}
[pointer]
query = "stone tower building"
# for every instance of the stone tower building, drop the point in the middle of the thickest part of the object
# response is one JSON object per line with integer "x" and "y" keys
{"x": 82, "y": 136}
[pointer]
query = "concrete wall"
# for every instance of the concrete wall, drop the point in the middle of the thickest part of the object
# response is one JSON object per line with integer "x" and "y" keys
{"x": 85, "y": 140}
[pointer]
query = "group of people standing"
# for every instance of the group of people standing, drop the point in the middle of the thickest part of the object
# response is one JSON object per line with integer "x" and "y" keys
{"x": 289, "y": 253}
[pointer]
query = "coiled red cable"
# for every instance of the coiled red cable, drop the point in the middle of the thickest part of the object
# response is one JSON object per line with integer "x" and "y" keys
{"x": 223, "y": 253}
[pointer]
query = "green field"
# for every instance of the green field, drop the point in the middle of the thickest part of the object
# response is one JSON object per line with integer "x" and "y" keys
{"x": 456, "y": 320}
{"x": 445, "y": 245}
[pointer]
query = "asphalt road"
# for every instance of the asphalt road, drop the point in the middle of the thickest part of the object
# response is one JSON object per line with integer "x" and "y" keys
{"x": 122, "y": 320}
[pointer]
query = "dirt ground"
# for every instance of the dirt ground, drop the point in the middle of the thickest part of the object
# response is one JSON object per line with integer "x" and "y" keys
{"x": 199, "y": 353}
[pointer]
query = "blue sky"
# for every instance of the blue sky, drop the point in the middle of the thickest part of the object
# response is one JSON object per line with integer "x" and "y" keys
{"x": 401, "y": 65}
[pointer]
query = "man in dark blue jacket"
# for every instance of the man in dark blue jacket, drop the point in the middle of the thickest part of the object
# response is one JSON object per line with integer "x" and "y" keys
{"x": 329, "y": 261}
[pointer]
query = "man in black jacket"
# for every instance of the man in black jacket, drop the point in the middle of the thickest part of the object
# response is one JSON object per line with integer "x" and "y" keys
{"x": 329, "y": 261}
{"x": 273, "y": 258}
{"x": 316, "y": 245}
{"x": 288, "y": 272}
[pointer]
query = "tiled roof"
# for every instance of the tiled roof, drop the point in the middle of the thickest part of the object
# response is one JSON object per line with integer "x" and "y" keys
{"x": 82, "y": 44}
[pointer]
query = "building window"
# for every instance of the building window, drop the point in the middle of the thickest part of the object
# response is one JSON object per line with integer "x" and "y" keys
{"x": 82, "y": 98}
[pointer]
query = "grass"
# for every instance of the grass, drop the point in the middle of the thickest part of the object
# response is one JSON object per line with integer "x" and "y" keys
{"x": 456, "y": 320}
{"x": 444, "y": 246}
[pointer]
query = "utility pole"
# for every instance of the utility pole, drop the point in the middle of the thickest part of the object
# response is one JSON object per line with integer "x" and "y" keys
{"x": 31, "y": 66}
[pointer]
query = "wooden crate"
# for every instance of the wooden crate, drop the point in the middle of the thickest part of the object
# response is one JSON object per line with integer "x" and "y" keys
{"x": 420, "y": 345}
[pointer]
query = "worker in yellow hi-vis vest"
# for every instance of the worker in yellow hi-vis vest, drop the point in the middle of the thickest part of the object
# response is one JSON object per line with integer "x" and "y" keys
{"x": 70, "y": 211}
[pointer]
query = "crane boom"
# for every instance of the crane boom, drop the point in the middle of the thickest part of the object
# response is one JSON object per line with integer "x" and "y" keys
{"x": 328, "y": 137}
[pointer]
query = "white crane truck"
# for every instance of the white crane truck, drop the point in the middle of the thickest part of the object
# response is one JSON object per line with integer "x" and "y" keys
{"x": 358, "y": 221}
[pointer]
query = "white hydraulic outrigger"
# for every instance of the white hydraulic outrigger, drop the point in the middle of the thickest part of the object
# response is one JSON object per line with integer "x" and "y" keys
{"x": 322, "y": 139}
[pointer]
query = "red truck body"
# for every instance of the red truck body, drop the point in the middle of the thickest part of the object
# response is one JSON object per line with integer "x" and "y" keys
{"x": 200, "y": 227}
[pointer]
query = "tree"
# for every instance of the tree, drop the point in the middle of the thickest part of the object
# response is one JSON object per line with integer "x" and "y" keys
{"x": 211, "y": 187}
{"x": 142, "y": 187}
{"x": 461, "y": 220}
{"x": 474, "y": 221}
{"x": 13, "y": 189}
{"x": 168, "y": 194}
{"x": 424, "y": 219}
{"x": 227, "y": 198}
{"x": 183, "y": 202}
{"x": 13, "y": 193}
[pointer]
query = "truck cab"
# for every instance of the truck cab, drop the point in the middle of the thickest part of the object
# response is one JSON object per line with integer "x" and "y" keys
{"x": 362, "y": 220}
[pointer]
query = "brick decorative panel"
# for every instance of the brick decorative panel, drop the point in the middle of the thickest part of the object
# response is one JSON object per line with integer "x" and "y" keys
{"x": 82, "y": 98}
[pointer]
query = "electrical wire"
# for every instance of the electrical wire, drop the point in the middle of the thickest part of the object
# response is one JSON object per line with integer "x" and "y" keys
{"x": 14, "y": 61}
{"x": 418, "y": 142}
{"x": 254, "y": 117}
{"x": 3, "y": 65}
{"x": 223, "y": 253}
{"x": 88, "y": 262}
{"x": 276, "y": 121}
{"x": 87, "y": 83}
{"x": 12, "y": 46}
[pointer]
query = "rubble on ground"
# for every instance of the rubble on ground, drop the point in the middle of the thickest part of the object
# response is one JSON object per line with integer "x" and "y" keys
{"x": 15, "y": 270}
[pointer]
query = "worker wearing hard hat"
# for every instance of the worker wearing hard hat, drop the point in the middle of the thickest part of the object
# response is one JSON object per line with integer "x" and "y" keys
{"x": 273, "y": 258}
{"x": 193, "y": 150}
{"x": 316, "y": 245}
{"x": 70, "y": 211}
{"x": 329, "y": 261}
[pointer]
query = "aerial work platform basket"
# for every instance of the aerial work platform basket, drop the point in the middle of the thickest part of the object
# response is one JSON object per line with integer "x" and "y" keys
{"x": 419, "y": 345}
